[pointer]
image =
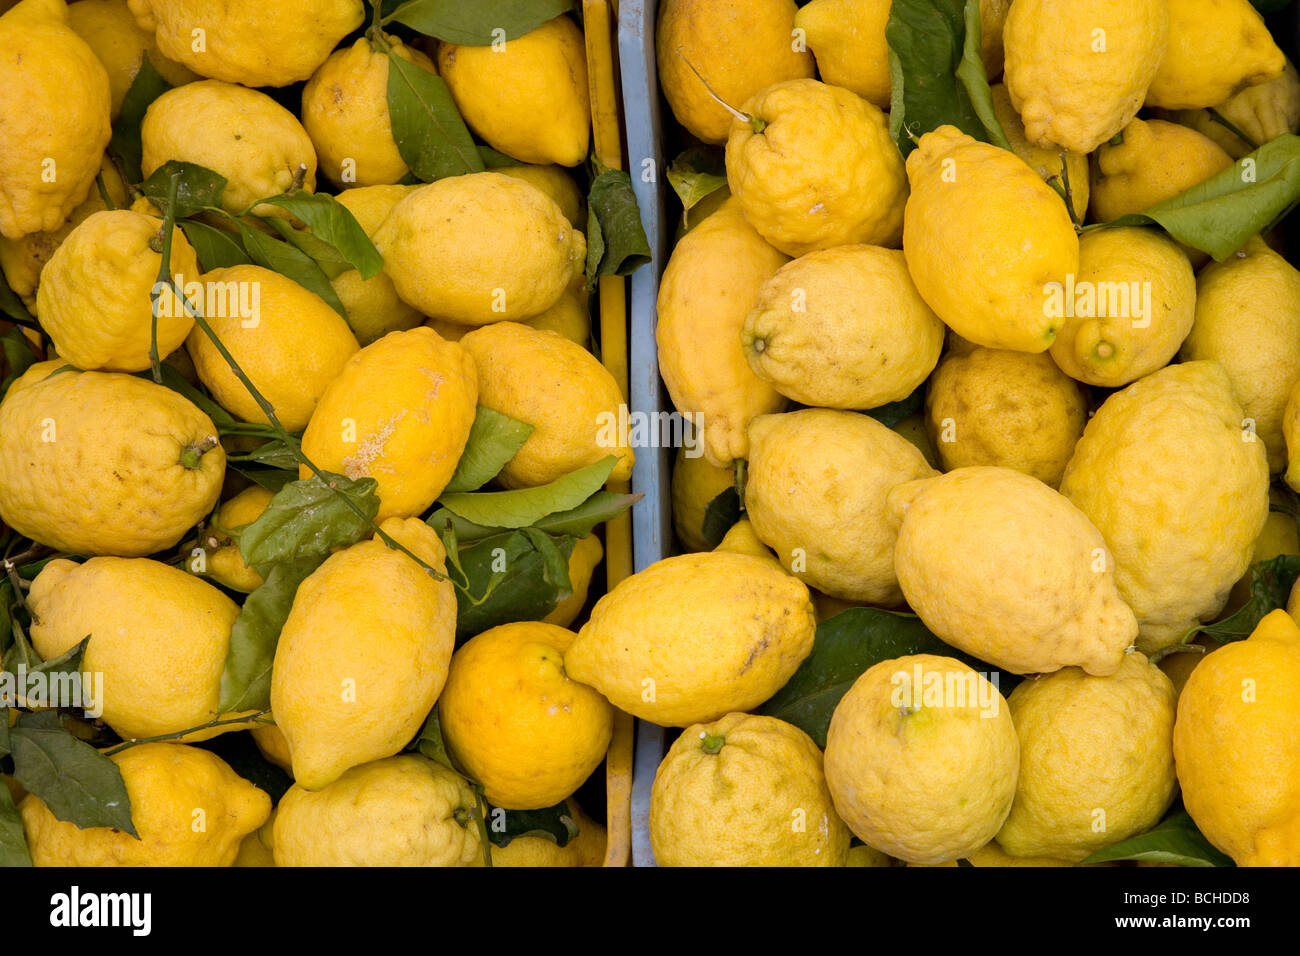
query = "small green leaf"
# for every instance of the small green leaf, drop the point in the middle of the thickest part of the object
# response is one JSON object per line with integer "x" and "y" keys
{"x": 476, "y": 24}
{"x": 552, "y": 823}
{"x": 246, "y": 679}
{"x": 722, "y": 512}
{"x": 891, "y": 414}
{"x": 329, "y": 259}
{"x": 846, "y": 645}
{"x": 77, "y": 782}
{"x": 431, "y": 136}
{"x": 616, "y": 240}
{"x": 577, "y": 522}
{"x": 1218, "y": 215}
{"x": 272, "y": 479}
{"x": 215, "y": 248}
{"x": 331, "y": 222}
{"x": 510, "y": 579}
{"x": 493, "y": 440}
{"x": 274, "y": 454}
{"x": 431, "y": 744}
{"x": 1270, "y": 586}
{"x": 309, "y": 518}
{"x": 523, "y": 507}
{"x": 697, "y": 173}
{"x": 146, "y": 86}
{"x": 20, "y": 654}
{"x": 69, "y": 662}
{"x": 17, "y": 352}
{"x": 492, "y": 159}
{"x": 13, "y": 842}
{"x": 279, "y": 256}
{"x": 12, "y": 306}
{"x": 1175, "y": 839}
{"x": 198, "y": 187}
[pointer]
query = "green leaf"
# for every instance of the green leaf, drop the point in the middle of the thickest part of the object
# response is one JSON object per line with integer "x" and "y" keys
{"x": 215, "y": 248}
{"x": 246, "y": 679}
{"x": 309, "y": 518}
{"x": 1270, "y": 586}
{"x": 20, "y": 654}
{"x": 519, "y": 580}
{"x": 69, "y": 662}
{"x": 526, "y": 506}
{"x": 577, "y": 522}
{"x": 173, "y": 379}
{"x": 4, "y": 732}
{"x": 722, "y": 512}
{"x": 431, "y": 136}
{"x": 329, "y": 259}
{"x": 13, "y": 842}
{"x": 1175, "y": 839}
{"x": 936, "y": 75}
{"x": 696, "y": 174}
{"x": 430, "y": 742}
{"x": 146, "y": 87}
{"x": 616, "y": 240}
{"x": 12, "y": 306}
{"x": 474, "y": 24}
{"x": 17, "y": 351}
{"x": 552, "y": 823}
{"x": 198, "y": 187}
{"x": 846, "y": 645}
{"x": 331, "y": 222}
{"x": 77, "y": 782}
{"x": 493, "y": 159}
{"x": 891, "y": 414}
{"x": 274, "y": 454}
{"x": 292, "y": 262}
{"x": 1218, "y": 215}
{"x": 273, "y": 479}
{"x": 493, "y": 440}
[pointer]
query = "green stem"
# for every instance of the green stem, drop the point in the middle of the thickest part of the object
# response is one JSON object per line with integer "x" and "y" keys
{"x": 178, "y": 735}
{"x": 479, "y": 813}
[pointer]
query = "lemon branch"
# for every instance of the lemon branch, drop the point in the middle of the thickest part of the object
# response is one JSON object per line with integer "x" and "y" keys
{"x": 756, "y": 124}
{"x": 259, "y": 717}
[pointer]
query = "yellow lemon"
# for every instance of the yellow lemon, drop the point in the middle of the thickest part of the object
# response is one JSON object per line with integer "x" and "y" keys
{"x": 695, "y": 484}
{"x": 1263, "y": 112}
{"x": 109, "y": 28}
{"x": 1153, "y": 162}
{"x": 225, "y": 563}
{"x": 1044, "y": 160}
{"x": 557, "y": 182}
{"x": 1216, "y": 48}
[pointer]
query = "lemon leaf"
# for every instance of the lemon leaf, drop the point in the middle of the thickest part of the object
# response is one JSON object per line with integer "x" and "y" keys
{"x": 197, "y": 188}
{"x": 845, "y": 646}
{"x": 246, "y": 678}
{"x": 523, "y": 507}
{"x": 291, "y": 262}
{"x": 72, "y": 778}
{"x": 697, "y": 173}
{"x": 616, "y": 240}
{"x": 493, "y": 440}
{"x": 215, "y": 248}
{"x": 579, "y": 522}
{"x": 13, "y": 842}
{"x": 146, "y": 86}
{"x": 1270, "y": 586}
{"x": 722, "y": 512}
{"x": 329, "y": 259}
{"x": 551, "y": 823}
{"x": 430, "y": 742}
{"x": 331, "y": 223}
{"x": 511, "y": 577}
{"x": 309, "y": 518}
{"x": 480, "y": 23}
{"x": 431, "y": 136}
{"x": 1175, "y": 839}
{"x": 15, "y": 351}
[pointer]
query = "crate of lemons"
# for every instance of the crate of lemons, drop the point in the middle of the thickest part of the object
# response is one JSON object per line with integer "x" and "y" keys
{"x": 1031, "y": 608}
{"x": 302, "y": 438}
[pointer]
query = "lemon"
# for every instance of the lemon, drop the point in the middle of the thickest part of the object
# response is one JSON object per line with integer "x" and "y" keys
{"x": 695, "y": 484}
{"x": 568, "y": 317}
{"x": 247, "y": 137}
{"x": 373, "y": 306}
{"x": 815, "y": 493}
{"x": 744, "y": 791}
{"x": 1010, "y": 409}
{"x": 403, "y": 811}
{"x": 559, "y": 388}
{"x": 915, "y": 430}
{"x": 247, "y": 41}
{"x": 1096, "y": 759}
{"x": 674, "y": 662}
{"x": 272, "y": 745}
{"x": 557, "y": 182}
{"x": 480, "y": 248}
{"x": 1216, "y": 48}
{"x": 255, "y": 849}
{"x": 1154, "y": 161}
{"x": 110, "y": 30}
{"x": 1044, "y": 160}
{"x": 158, "y": 636}
{"x": 104, "y": 463}
{"x": 822, "y": 172}
{"x": 1248, "y": 320}
{"x": 1291, "y": 433}
{"x": 733, "y": 48}
{"x": 400, "y": 412}
{"x": 514, "y": 719}
{"x": 1078, "y": 73}
{"x": 1263, "y": 112}
{"x": 290, "y": 344}
{"x": 172, "y": 789}
{"x": 708, "y": 287}
{"x": 94, "y": 297}
{"x": 984, "y": 236}
{"x": 526, "y": 96}
{"x": 1280, "y": 535}
{"x": 337, "y": 709}
{"x": 1001, "y": 566}
{"x": 810, "y": 335}
{"x": 54, "y": 118}
{"x": 345, "y": 112}
{"x": 586, "y": 555}
{"x": 1133, "y": 302}
{"x": 990, "y": 854}
{"x": 225, "y": 564}
{"x": 1234, "y": 745}
{"x": 862, "y": 855}
{"x": 921, "y": 758}
{"x": 741, "y": 539}
{"x": 1180, "y": 533}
